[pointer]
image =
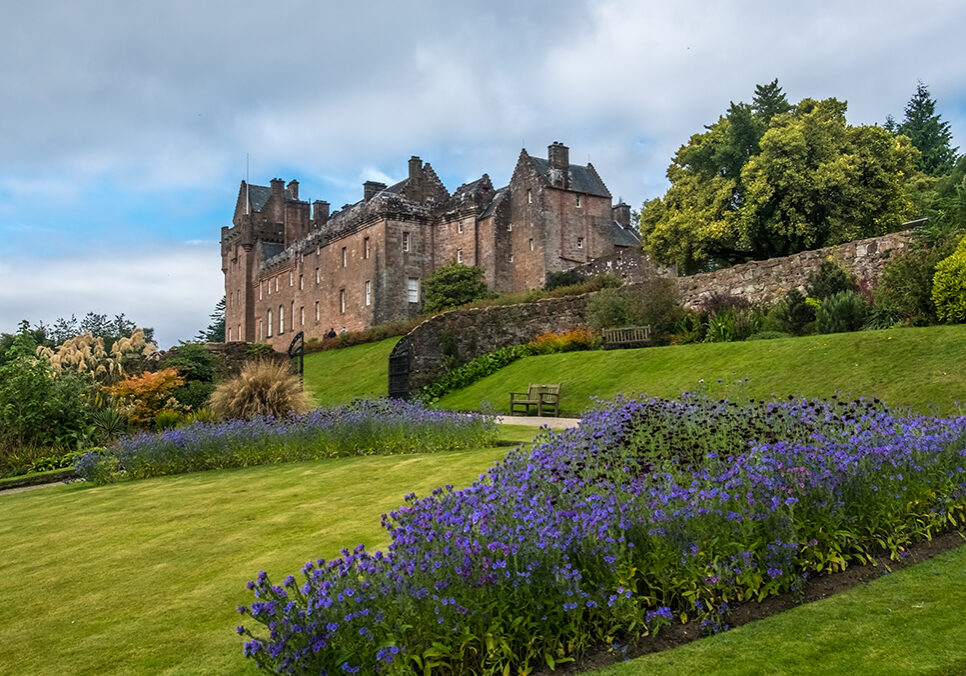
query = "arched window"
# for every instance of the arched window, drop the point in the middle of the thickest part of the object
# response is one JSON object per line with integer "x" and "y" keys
{"x": 281, "y": 320}
{"x": 269, "y": 323}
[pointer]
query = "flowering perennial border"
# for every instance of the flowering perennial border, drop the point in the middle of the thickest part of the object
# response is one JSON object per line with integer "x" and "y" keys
{"x": 365, "y": 427}
{"x": 652, "y": 511}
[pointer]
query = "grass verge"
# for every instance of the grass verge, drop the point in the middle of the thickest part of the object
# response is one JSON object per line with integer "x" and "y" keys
{"x": 903, "y": 367}
{"x": 143, "y": 577}
{"x": 359, "y": 372}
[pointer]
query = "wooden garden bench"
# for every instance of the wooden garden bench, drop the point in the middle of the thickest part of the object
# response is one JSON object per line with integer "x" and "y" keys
{"x": 545, "y": 398}
{"x": 626, "y": 336}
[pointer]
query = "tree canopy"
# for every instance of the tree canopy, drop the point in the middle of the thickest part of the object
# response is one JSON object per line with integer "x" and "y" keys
{"x": 770, "y": 179}
{"x": 927, "y": 132}
{"x": 454, "y": 285}
{"x": 215, "y": 331}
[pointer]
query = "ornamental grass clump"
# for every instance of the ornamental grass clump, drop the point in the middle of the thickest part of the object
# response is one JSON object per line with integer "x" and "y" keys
{"x": 652, "y": 511}
{"x": 361, "y": 428}
{"x": 263, "y": 388}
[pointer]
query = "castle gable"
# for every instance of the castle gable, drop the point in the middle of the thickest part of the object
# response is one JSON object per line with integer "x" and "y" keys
{"x": 579, "y": 179}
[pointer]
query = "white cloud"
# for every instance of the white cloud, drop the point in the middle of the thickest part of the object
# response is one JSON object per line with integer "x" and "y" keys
{"x": 172, "y": 290}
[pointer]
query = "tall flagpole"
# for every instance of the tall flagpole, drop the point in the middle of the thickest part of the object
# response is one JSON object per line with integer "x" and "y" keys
{"x": 247, "y": 188}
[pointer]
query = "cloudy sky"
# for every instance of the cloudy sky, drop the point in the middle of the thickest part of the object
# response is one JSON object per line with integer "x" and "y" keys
{"x": 126, "y": 125}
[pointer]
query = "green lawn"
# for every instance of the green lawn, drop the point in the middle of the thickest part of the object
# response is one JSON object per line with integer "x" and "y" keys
{"x": 143, "y": 577}
{"x": 337, "y": 376}
{"x": 920, "y": 368}
{"x": 909, "y": 622}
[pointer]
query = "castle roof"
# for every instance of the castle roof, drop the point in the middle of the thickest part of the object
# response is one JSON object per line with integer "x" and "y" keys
{"x": 498, "y": 197}
{"x": 258, "y": 196}
{"x": 625, "y": 236}
{"x": 579, "y": 179}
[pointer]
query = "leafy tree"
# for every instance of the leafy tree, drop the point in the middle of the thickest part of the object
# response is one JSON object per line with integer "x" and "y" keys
{"x": 927, "y": 132}
{"x": 454, "y": 285}
{"x": 98, "y": 325}
{"x": 215, "y": 332}
{"x": 754, "y": 186}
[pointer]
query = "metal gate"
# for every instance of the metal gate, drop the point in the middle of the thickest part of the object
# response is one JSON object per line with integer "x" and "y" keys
{"x": 399, "y": 373}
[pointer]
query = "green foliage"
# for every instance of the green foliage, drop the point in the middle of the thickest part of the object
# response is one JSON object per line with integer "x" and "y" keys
{"x": 761, "y": 183}
{"x": 655, "y": 302}
{"x": 793, "y": 314}
{"x": 109, "y": 423}
{"x": 215, "y": 331}
{"x": 473, "y": 370}
{"x": 928, "y": 133}
{"x": 262, "y": 388}
{"x": 373, "y": 334}
{"x": 56, "y": 461}
{"x": 197, "y": 365}
{"x": 830, "y": 278}
{"x": 904, "y": 292}
{"x": 454, "y": 285}
{"x": 565, "y": 278}
{"x": 949, "y": 287}
{"x": 98, "y": 325}
{"x": 769, "y": 335}
{"x": 608, "y": 308}
{"x": 733, "y": 324}
{"x": 167, "y": 419}
{"x": 38, "y": 408}
{"x": 841, "y": 312}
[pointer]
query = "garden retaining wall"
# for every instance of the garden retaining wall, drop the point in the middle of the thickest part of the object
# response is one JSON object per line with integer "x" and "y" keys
{"x": 466, "y": 334}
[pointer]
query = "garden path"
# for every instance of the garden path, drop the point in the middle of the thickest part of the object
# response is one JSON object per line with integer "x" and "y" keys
{"x": 538, "y": 421}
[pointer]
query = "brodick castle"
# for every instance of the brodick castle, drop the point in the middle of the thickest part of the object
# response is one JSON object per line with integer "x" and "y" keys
{"x": 290, "y": 266}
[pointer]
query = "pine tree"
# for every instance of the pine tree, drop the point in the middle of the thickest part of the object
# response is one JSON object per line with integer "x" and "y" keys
{"x": 215, "y": 332}
{"x": 928, "y": 133}
{"x": 769, "y": 100}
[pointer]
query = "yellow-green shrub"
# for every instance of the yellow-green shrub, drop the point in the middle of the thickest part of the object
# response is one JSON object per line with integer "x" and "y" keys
{"x": 949, "y": 287}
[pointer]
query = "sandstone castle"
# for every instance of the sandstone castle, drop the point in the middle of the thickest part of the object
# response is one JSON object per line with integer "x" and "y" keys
{"x": 293, "y": 267}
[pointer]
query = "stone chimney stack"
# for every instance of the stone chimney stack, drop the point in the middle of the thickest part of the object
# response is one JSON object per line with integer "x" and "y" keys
{"x": 414, "y": 190}
{"x": 559, "y": 155}
{"x": 622, "y": 214}
{"x": 293, "y": 188}
{"x": 320, "y": 212}
{"x": 278, "y": 188}
{"x": 370, "y": 188}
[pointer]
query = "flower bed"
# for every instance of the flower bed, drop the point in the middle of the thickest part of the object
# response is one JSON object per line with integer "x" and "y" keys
{"x": 361, "y": 428}
{"x": 652, "y": 511}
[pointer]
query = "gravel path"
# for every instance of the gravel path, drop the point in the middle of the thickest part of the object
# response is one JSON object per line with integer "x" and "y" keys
{"x": 537, "y": 421}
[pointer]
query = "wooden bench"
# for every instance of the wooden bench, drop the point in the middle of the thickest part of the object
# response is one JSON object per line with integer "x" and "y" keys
{"x": 545, "y": 398}
{"x": 626, "y": 336}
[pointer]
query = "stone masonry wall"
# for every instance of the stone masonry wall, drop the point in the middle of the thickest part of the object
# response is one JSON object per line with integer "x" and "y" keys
{"x": 480, "y": 330}
{"x": 766, "y": 281}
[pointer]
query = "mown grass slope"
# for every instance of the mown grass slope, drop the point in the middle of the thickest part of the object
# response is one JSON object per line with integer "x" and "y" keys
{"x": 920, "y": 368}
{"x": 358, "y": 372}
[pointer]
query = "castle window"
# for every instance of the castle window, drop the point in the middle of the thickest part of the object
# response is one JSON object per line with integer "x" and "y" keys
{"x": 345, "y": 257}
{"x": 578, "y": 201}
{"x": 301, "y": 282}
{"x": 318, "y": 276}
{"x": 459, "y": 255}
{"x": 276, "y": 283}
{"x": 405, "y": 242}
{"x": 239, "y": 334}
{"x": 366, "y": 247}
{"x": 531, "y": 244}
{"x": 269, "y": 323}
{"x": 281, "y": 320}
{"x": 509, "y": 227}
{"x": 318, "y": 251}
{"x": 510, "y": 258}
{"x": 318, "y": 315}
{"x": 368, "y": 293}
{"x": 580, "y": 242}
{"x": 260, "y": 287}
{"x": 413, "y": 290}
{"x": 302, "y": 315}
{"x": 459, "y": 227}
{"x": 229, "y": 334}
{"x": 342, "y": 301}
{"x": 529, "y": 196}
{"x": 291, "y": 314}
{"x": 260, "y": 329}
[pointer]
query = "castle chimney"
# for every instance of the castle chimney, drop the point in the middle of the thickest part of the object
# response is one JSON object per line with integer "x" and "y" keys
{"x": 559, "y": 155}
{"x": 415, "y": 168}
{"x": 293, "y": 188}
{"x": 622, "y": 214}
{"x": 370, "y": 188}
{"x": 278, "y": 186}
{"x": 414, "y": 189}
{"x": 320, "y": 212}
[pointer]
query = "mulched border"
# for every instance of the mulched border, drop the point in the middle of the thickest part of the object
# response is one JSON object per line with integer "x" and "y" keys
{"x": 815, "y": 589}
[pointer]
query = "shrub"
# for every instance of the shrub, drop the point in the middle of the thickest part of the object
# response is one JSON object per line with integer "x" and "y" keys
{"x": 471, "y": 371}
{"x": 454, "y": 285}
{"x": 652, "y": 511}
{"x": 140, "y": 397}
{"x": 841, "y": 312}
{"x": 109, "y": 423}
{"x": 370, "y": 335}
{"x": 793, "y": 314}
{"x": 564, "y": 278}
{"x": 904, "y": 292}
{"x": 261, "y": 388}
{"x": 830, "y": 278}
{"x": 580, "y": 338}
{"x": 949, "y": 287}
{"x": 607, "y": 309}
{"x": 166, "y": 419}
{"x": 55, "y": 462}
{"x": 733, "y": 324}
{"x": 361, "y": 428}
{"x": 655, "y": 302}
